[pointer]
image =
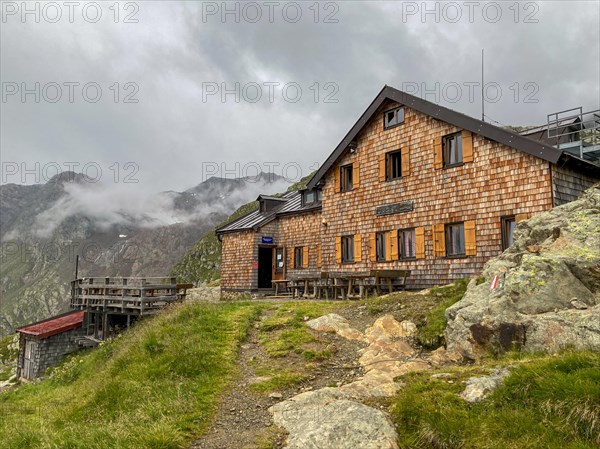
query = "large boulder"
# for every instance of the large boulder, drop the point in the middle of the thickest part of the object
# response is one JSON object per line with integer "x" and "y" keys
{"x": 548, "y": 291}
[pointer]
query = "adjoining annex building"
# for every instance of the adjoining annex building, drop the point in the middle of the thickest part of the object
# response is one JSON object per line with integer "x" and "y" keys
{"x": 412, "y": 186}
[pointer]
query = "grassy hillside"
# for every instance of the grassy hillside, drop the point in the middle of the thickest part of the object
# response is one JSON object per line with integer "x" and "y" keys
{"x": 202, "y": 263}
{"x": 153, "y": 387}
{"x": 548, "y": 402}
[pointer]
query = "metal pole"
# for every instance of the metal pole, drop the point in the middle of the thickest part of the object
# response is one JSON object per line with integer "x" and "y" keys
{"x": 482, "y": 91}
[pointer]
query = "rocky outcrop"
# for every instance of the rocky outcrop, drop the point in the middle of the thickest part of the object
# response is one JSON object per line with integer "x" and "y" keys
{"x": 548, "y": 287}
{"x": 334, "y": 417}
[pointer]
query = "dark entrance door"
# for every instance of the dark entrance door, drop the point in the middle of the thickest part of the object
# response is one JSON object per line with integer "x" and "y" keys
{"x": 265, "y": 267}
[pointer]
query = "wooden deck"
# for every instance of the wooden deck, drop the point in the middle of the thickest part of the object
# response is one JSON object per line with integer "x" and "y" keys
{"x": 131, "y": 296}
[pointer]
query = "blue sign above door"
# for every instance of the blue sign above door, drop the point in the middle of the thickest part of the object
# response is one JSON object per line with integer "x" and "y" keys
{"x": 266, "y": 239}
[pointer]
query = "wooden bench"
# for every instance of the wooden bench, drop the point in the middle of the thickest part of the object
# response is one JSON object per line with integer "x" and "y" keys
{"x": 388, "y": 279}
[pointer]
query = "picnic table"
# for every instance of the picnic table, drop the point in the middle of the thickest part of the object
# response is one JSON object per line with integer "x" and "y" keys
{"x": 283, "y": 283}
{"x": 303, "y": 283}
{"x": 345, "y": 283}
{"x": 388, "y": 279}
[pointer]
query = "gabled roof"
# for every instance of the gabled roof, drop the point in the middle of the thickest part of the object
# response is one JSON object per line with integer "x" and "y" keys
{"x": 55, "y": 325}
{"x": 509, "y": 138}
{"x": 291, "y": 203}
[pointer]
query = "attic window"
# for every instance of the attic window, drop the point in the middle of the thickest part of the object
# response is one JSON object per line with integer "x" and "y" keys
{"x": 393, "y": 118}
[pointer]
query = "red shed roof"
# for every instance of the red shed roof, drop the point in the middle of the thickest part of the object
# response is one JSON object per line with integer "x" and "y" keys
{"x": 54, "y": 325}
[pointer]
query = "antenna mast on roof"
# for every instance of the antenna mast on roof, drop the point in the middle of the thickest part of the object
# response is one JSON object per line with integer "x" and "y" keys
{"x": 482, "y": 97}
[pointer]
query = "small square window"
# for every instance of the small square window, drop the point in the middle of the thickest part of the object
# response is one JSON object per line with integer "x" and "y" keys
{"x": 346, "y": 178}
{"x": 393, "y": 118}
{"x": 452, "y": 149}
{"x": 393, "y": 165}
{"x": 347, "y": 249}
{"x": 508, "y": 227}
{"x": 407, "y": 244}
{"x": 298, "y": 253}
{"x": 380, "y": 246}
{"x": 455, "y": 239}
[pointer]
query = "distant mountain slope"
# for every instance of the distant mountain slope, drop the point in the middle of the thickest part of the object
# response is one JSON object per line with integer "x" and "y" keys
{"x": 202, "y": 263}
{"x": 44, "y": 227}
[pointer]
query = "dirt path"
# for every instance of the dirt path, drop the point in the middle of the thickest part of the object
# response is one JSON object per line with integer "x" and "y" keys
{"x": 242, "y": 419}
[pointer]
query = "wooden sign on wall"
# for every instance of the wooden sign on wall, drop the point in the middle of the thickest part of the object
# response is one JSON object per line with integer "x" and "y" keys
{"x": 396, "y": 208}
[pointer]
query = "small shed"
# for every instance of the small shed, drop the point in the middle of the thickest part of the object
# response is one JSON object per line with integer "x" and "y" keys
{"x": 43, "y": 344}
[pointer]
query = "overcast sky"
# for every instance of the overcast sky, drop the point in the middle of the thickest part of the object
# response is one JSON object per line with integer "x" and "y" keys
{"x": 162, "y": 68}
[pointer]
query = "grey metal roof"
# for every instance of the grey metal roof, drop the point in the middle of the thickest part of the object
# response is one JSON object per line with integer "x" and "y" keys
{"x": 291, "y": 203}
{"x": 511, "y": 139}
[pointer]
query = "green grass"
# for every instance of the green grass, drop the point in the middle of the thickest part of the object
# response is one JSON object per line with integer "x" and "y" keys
{"x": 431, "y": 335}
{"x": 8, "y": 357}
{"x": 548, "y": 402}
{"x": 278, "y": 379}
{"x": 285, "y": 330}
{"x": 155, "y": 386}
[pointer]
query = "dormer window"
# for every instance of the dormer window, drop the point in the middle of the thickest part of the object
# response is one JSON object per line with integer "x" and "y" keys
{"x": 269, "y": 203}
{"x": 311, "y": 197}
{"x": 393, "y": 118}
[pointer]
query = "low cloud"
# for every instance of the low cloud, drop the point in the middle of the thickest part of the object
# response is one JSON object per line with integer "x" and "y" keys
{"x": 108, "y": 205}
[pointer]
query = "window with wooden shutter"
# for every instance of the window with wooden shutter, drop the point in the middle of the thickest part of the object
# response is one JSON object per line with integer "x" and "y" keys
{"x": 373, "y": 247}
{"x": 393, "y": 244}
{"x": 319, "y": 256}
{"x": 338, "y": 250}
{"x": 292, "y": 253}
{"x": 382, "y": 167}
{"x": 337, "y": 180}
{"x": 382, "y": 249}
{"x": 470, "y": 239}
{"x": 357, "y": 248}
{"x": 347, "y": 249}
{"x": 405, "y": 161}
{"x": 467, "y": 146}
{"x": 346, "y": 176}
{"x": 420, "y": 242}
{"x": 439, "y": 240}
{"x": 438, "y": 162}
{"x": 355, "y": 174}
{"x": 305, "y": 257}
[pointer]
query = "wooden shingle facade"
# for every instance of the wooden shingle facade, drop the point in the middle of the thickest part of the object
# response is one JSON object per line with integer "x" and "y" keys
{"x": 412, "y": 186}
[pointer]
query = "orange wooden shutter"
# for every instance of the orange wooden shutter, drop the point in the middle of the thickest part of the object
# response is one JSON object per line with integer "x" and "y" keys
{"x": 382, "y": 172}
{"x": 521, "y": 217}
{"x": 355, "y": 174}
{"x": 467, "y": 146}
{"x": 470, "y": 240}
{"x": 438, "y": 161}
{"x": 337, "y": 180}
{"x": 439, "y": 240}
{"x": 293, "y": 258}
{"x": 393, "y": 244}
{"x": 372, "y": 247}
{"x": 357, "y": 248}
{"x": 305, "y": 257}
{"x": 405, "y": 161}
{"x": 420, "y": 242}
{"x": 319, "y": 256}
{"x": 338, "y": 250}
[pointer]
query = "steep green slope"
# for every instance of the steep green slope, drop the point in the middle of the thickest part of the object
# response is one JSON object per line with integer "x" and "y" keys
{"x": 202, "y": 263}
{"x": 153, "y": 387}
